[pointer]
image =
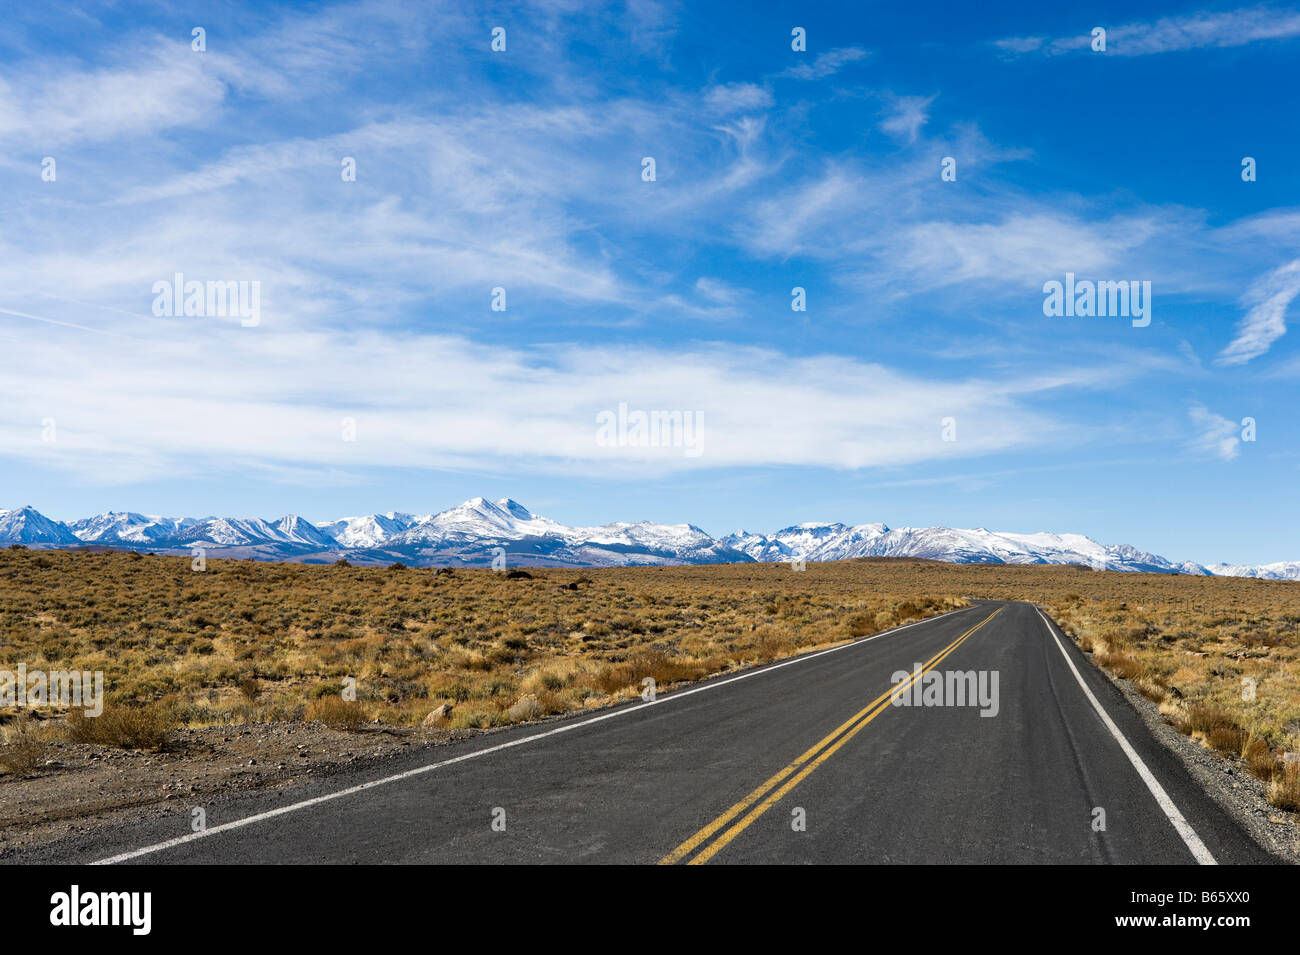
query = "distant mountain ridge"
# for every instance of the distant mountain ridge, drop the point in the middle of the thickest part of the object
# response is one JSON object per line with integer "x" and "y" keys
{"x": 472, "y": 533}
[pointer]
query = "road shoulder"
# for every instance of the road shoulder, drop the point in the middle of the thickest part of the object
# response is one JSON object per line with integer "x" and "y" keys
{"x": 1225, "y": 781}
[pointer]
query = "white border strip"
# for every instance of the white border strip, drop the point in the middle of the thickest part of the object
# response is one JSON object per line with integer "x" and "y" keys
{"x": 306, "y": 803}
{"x": 1193, "y": 841}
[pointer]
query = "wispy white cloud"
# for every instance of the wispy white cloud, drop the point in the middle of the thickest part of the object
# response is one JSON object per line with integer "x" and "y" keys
{"x": 1021, "y": 44}
{"x": 791, "y": 221}
{"x": 1268, "y": 299}
{"x": 907, "y": 114}
{"x": 726, "y": 98}
{"x": 1207, "y": 29}
{"x": 717, "y": 290}
{"x": 650, "y": 24}
{"x": 1023, "y": 248}
{"x": 826, "y": 64}
{"x": 1215, "y": 435}
{"x": 156, "y": 86}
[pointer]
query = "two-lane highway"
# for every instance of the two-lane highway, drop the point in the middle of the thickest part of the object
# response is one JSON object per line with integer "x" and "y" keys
{"x": 808, "y": 760}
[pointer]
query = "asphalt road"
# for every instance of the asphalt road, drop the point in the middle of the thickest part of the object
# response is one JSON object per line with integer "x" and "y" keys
{"x": 806, "y": 761}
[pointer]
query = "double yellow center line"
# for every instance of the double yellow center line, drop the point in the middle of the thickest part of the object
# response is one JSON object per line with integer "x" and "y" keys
{"x": 767, "y": 795}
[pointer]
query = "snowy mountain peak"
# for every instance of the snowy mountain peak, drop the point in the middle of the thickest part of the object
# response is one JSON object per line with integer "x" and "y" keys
{"x": 26, "y": 525}
{"x": 294, "y": 529}
{"x": 370, "y": 530}
{"x": 514, "y": 509}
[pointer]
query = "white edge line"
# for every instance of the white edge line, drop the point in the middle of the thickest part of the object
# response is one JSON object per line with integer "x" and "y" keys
{"x": 317, "y": 800}
{"x": 1180, "y": 823}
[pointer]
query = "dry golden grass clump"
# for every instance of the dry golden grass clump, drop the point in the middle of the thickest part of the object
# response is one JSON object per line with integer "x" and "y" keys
{"x": 1284, "y": 789}
{"x": 335, "y": 712}
{"x": 27, "y": 745}
{"x": 124, "y": 726}
{"x": 247, "y": 641}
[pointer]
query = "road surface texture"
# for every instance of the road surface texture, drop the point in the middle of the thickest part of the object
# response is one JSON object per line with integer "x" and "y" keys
{"x": 805, "y": 761}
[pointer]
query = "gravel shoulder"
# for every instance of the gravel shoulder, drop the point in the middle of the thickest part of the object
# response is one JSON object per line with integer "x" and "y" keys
{"x": 83, "y": 788}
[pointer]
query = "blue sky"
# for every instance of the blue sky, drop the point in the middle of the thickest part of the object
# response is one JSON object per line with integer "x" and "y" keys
{"x": 774, "y": 168}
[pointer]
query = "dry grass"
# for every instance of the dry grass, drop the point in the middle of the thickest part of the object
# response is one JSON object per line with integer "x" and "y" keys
{"x": 1284, "y": 789}
{"x": 248, "y": 641}
{"x": 26, "y": 746}
{"x": 336, "y": 713}
{"x": 123, "y": 726}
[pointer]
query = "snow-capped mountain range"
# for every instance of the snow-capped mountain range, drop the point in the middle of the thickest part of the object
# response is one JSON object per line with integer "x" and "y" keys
{"x": 476, "y": 531}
